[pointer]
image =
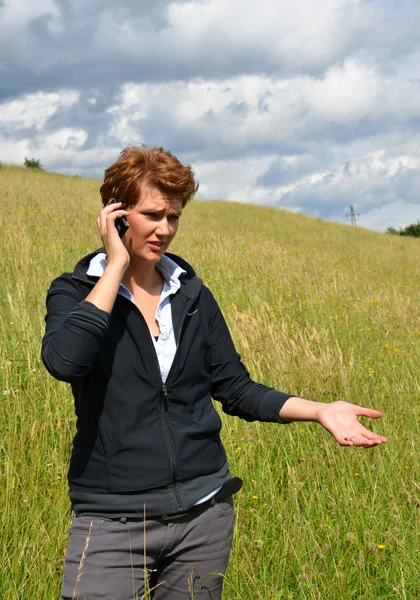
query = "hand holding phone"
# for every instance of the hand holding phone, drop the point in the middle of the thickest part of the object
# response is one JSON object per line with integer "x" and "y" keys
{"x": 121, "y": 223}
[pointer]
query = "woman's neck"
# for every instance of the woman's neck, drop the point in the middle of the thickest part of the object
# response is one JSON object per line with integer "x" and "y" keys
{"x": 142, "y": 275}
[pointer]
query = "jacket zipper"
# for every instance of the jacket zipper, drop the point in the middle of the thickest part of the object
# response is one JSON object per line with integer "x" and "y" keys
{"x": 163, "y": 397}
{"x": 164, "y": 425}
{"x": 162, "y": 410}
{"x": 169, "y": 442}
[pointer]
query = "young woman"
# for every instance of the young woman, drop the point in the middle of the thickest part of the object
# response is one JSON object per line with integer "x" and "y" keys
{"x": 145, "y": 347}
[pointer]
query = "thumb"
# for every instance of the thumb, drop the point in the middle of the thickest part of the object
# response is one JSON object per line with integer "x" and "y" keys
{"x": 368, "y": 412}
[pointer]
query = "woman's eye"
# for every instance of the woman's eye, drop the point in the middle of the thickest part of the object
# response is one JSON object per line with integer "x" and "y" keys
{"x": 152, "y": 215}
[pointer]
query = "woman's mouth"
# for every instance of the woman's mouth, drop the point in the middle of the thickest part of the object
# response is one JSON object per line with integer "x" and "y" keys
{"x": 155, "y": 245}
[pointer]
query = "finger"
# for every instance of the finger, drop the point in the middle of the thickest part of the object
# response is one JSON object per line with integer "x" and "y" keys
{"x": 364, "y": 438}
{"x": 110, "y": 208}
{"x": 370, "y": 435}
{"x": 368, "y": 439}
{"x": 363, "y": 442}
{"x": 343, "y": 441}
{"x": 360, "y": 441}
{"x": 112, "y": 212}
{"x": 102, "y": 227}
{"x": 368, "y": 412}
{"x": 112, "y": 217}
{"x": 115, "y": 214}
{"x": 102, "y": 217}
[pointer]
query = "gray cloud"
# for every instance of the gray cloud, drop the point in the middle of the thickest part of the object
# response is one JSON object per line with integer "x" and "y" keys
{"x": 89, "y": 113}
{"x": 78, "y": 44}
{"x": 306, "y": 106}
{"x": 329, "y": 198}
{"x": 283, "y": 172}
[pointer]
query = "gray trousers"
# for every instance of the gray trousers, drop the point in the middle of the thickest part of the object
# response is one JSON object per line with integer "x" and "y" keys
{"x": 132, "y": 559}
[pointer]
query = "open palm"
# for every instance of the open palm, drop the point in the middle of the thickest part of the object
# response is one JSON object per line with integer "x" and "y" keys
{"x": 341, "y": 420}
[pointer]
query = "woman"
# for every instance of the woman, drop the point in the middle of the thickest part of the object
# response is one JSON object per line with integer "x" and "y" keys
{"x": 144, "y": 346}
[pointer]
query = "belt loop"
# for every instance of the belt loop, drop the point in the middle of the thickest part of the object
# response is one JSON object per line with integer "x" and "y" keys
{"x": 123, "y": 521}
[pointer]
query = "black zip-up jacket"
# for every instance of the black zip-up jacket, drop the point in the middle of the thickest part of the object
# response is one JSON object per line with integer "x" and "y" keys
{"x": 134, "y": 433}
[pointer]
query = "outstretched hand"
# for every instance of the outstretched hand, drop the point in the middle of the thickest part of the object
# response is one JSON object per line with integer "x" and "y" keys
{"x": 340, "y": 419}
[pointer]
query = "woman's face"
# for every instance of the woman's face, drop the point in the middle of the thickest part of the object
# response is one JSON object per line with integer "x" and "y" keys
{"x": 153, "y": 224}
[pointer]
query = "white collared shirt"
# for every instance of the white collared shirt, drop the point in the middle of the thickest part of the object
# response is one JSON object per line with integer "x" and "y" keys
{"x": 165, "y": 346}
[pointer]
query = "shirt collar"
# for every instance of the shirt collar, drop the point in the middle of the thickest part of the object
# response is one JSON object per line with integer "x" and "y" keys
{"x": 170, "y": 271}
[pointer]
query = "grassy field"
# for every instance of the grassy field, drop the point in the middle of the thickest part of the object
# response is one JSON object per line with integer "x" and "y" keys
{"x": 317, "y": 309}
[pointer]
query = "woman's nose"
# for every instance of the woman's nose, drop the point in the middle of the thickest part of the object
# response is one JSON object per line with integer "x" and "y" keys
{"x": 163, "y": 227}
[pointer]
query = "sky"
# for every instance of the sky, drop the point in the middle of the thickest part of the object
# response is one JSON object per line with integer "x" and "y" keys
{"x": 308, "y": 106}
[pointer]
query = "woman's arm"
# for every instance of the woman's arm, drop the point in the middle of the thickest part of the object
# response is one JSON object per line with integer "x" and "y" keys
{"x": 75, "y": 324}
{"x": 239, "y": 395}
{"x": 339, "y": 418}
{"x": 243, "y": 397}
{"x": 74, "y": 330}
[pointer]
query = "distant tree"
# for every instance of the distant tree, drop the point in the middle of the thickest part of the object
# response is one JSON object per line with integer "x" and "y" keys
{"x": 413, "y": 230}
{"x": 33, "y": 163}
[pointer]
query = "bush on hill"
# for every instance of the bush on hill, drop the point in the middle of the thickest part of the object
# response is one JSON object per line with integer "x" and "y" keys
{"x": 33, "y": 163}
{"x": 411, "y": 230}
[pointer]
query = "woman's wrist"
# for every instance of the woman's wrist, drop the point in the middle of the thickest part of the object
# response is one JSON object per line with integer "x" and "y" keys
{"x": 300, "y": 409}
{"x": 115, "y": 269}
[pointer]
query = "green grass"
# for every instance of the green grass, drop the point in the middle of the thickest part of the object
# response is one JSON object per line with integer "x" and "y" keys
{"x": 317, "y": 309}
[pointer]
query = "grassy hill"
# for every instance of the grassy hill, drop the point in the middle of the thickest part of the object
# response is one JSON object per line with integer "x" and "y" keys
{"x": 318, "y": 309}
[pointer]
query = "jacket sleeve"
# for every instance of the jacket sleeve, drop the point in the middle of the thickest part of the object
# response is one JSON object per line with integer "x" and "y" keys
{"x": 231, "y": 383}
{"x": 74, "y": 330}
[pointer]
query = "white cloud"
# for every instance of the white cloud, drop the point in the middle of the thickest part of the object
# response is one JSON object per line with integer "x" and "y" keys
{"x": 33, "y": 110}
{"x": 303, "y": 35}
{"x": 254, "y": 111}
{"x": 14, "y": 152}
{"x": 66, "y": 139}
{"x": 346, "y": 93}
{"x": 18, "y": 13}
{"x": 231, "y": 179}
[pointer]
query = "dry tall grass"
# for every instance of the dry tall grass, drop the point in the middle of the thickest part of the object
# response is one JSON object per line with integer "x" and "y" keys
{"x": 318, "y": 309}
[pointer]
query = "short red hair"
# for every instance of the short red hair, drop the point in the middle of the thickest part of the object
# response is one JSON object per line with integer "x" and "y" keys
{"x": 154, "y": 166}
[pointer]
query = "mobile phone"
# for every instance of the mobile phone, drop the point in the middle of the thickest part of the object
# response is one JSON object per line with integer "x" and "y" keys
{"x": 121, "y": 223}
